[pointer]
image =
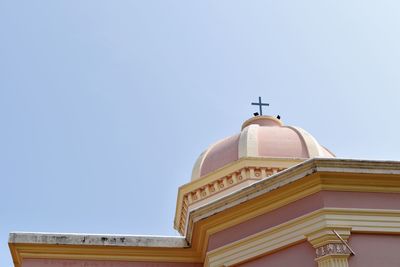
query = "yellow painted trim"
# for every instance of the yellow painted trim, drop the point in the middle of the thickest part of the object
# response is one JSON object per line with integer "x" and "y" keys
{"x": 366, "y": 182}
{"x": 85, "y": 252}
{"x": 297, "y": 230}
{"x": 17, "y": 260}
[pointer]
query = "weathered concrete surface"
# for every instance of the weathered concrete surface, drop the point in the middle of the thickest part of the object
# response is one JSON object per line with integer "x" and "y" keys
{"x": 97, "y": 240}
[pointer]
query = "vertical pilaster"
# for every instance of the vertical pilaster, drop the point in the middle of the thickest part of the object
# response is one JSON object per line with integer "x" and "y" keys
{"x": 329, "y": 249}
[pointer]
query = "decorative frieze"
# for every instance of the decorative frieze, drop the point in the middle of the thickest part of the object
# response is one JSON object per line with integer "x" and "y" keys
{"x": 221, "y": 184}
{"x": 329, "y": 249}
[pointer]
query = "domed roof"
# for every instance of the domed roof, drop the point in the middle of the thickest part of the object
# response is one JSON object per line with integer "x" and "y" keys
{"x": 261, "y": 136}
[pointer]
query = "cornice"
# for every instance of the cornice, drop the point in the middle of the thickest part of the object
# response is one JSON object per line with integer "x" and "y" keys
{"x": 100, "y": 247}
{"x": 246, "y": 168}
{"x": 241, "y": 163}
{"x": 332, "y": 174}
{"x": 22, "y": 251}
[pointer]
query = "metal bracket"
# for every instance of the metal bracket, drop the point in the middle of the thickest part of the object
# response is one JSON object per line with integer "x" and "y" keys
{"x": 352, "y": 253}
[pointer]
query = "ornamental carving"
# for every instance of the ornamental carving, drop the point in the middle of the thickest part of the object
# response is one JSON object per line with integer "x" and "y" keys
{"x": 221, "y": 184}
{"x": 334, "y": 248}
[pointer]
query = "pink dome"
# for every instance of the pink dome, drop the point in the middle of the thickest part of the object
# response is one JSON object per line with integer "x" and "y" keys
{"x": 261, "y": 136}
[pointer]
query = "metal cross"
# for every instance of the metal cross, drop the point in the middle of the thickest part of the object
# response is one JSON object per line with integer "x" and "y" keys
{"x": 260, "y": 104}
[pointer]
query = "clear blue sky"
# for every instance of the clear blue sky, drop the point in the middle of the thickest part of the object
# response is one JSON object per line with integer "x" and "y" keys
{"x": 105, "y": 105}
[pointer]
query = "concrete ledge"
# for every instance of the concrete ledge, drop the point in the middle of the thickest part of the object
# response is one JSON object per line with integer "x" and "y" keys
{"x": 97, "y": 240}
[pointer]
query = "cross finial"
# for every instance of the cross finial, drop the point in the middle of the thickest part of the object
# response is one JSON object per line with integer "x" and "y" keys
{"x": 260, "y": 104}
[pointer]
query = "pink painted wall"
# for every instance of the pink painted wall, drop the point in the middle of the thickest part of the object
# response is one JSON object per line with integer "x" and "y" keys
{"x": 301, "y": 207}
{"x": 88, "y": 263}
{"x": 375, "y": 250}
{"x": 265, "y": 221}
{"x": 301, "y": 254}
{"x": 280, "y": 142}
{"x": 361, "y": 200}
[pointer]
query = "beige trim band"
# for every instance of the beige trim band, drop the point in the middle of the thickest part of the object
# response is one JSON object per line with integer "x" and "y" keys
{"x": 248, "y": 142}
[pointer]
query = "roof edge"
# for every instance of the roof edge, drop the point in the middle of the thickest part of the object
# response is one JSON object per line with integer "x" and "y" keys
{"x": 97, "y": 240}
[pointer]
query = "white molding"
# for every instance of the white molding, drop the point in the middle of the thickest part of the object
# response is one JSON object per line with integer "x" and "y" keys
{"x": 248, "y": 141}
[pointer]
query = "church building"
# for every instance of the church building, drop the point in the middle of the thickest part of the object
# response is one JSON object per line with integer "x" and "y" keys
{"x": 270, "y": 196}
